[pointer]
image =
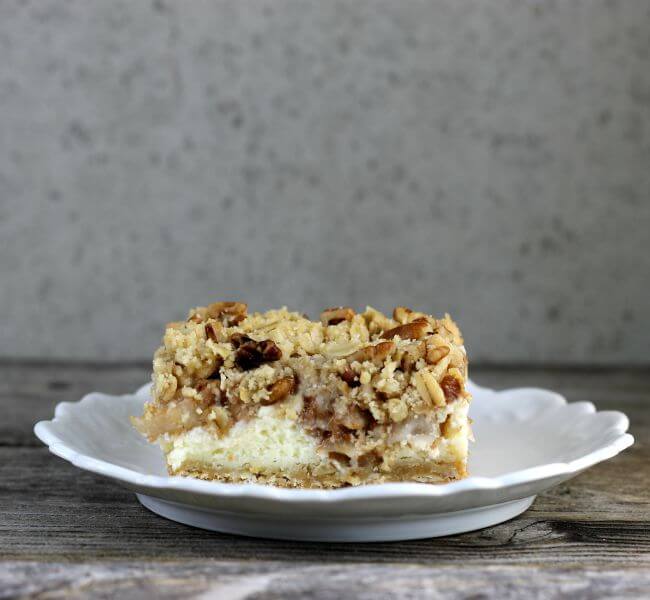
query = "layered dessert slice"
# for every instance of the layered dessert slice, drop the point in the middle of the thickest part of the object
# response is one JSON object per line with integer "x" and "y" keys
{"x": 276, "y": 398}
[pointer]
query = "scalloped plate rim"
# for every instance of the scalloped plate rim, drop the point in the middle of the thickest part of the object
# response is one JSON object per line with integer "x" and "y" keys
{"x": 56, "y": 445}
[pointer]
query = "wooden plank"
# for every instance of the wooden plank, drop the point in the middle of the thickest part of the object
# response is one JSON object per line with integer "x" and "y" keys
{"x": 240, "y": 580}
{"x": 30, "y": 391}
{"x": 51, "y": 510}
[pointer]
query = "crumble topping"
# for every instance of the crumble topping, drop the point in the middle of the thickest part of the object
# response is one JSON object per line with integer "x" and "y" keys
{"x": 358, "y": 382}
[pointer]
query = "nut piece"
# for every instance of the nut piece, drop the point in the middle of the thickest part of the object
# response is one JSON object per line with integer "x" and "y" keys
{"x": 280, "y": 390}
{"x": 351, "y": 378}
{"x": 336, "y": 315}
{"x": 251, "y": 354}
{"x": 377, "y": 353}
{"x": 218, "y": 363}
{"x": 410, "y": 331}
{"x": 429, "y": 389}
{"x": 435, "y": 355}
{"x": 232, "y": 312}
{"x": 237, "y": 339}
{"x": 450, "y": 387}
{"x": 377, "y": 321}
{"x": 401, "y": 314}
{"x": 213, "y": 331}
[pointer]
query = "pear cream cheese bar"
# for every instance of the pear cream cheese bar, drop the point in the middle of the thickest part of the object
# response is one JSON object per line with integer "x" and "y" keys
{"x": 276, "y": 398}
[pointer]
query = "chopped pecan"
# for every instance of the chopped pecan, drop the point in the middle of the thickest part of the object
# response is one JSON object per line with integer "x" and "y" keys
{"x": 213, "y": 331}
{"x": 401, "y": 314}
{"x": 217, "y": 365}
{"x": 270, "y": 351}
{"x": 336, "y": 315}
{"x": 410, "y": 331}
{"x": 377, "y": 321}
{"x": 237, "y": 339}
{"x": 280, "y": 390}
{"x": 251, "y": 354}
{"x": 377, "y": 353}
{"x": 436, "y": 354}
{"x": 232, "y": 313}
{"x": 232, "y": 320}
{"x": 351, "y": 378}
{"x": 450, "y": 387}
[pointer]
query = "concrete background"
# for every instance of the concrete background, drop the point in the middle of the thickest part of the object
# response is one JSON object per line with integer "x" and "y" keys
{"x": 486, "y": 158}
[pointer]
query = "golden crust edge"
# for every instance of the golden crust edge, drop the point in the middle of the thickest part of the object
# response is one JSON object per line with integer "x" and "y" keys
{"x": 417, "y": 474}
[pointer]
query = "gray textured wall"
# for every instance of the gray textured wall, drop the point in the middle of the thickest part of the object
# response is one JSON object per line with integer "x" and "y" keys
{"x": 488, "y": 158}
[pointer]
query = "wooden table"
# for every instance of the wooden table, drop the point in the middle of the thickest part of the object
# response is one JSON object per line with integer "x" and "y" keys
{"x": 65, "y": 532}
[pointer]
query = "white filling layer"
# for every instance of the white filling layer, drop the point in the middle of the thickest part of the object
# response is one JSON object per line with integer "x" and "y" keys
{"x": 269, "y": 443}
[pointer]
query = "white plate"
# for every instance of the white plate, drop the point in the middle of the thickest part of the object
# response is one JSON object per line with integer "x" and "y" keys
{"x": 527, "y": 440}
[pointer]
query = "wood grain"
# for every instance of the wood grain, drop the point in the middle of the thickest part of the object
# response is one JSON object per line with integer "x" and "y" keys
{"x": 282, "y": 580}
{"x": 68, "y": 533}
{"x": 30, "y": 391}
